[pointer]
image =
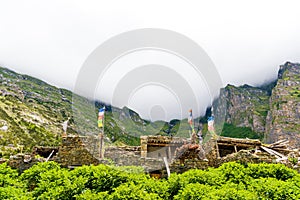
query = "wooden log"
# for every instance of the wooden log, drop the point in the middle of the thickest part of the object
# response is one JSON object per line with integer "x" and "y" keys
{"x": 279, "y": 146}
{"x": 268, "y": 151}
{"x": 238, "y": 140}
{"x": 217, "y": 148}
{"x": 167, "y": 166}
{"x": 272, "y": 152}
{"x": 283, "y": 150}
{"x": 278, "y": 142}
{"x": 238, "y": 145}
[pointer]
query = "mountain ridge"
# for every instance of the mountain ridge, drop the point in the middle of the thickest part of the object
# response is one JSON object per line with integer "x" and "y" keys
{"x": 33, "y": 111}
{"x": 271, "y": 110}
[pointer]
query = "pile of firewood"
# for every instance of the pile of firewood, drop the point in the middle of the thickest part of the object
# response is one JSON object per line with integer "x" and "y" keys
{"x": 279, "y": 149}
{"x": 280, "y": 146}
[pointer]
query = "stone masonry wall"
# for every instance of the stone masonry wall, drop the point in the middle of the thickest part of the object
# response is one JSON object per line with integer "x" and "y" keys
{"x": 73, "y": 152}
{"x": 131, "y": 156}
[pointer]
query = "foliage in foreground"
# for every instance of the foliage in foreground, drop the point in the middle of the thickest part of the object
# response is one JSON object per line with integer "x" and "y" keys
{"x": 230, "y": 181}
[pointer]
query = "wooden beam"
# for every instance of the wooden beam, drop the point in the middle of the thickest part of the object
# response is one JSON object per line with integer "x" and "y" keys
{"x": 272, "y": 152}
{"x": 217, "y": 148}
{"x": 238, "y": 145}
{"x": 162, "y": 145}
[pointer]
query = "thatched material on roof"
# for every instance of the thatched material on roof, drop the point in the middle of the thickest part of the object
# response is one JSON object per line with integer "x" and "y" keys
{"x": 238, "y": 141}
{"x": 163, "y": 140}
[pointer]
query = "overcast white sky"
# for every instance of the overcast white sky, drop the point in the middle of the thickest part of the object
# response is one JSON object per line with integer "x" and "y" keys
{"x": 246, "y": 40}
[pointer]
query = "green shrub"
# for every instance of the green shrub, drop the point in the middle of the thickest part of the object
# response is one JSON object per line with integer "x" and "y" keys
{"x": 271, "y": 188}
{"x": 230, "y": 181}
{"x": 194, "y": 191}
{"x": 232, "y": 194}
{"x": 103, "y": 178}
{"x": 8, "y": 176}
{"x": 31, "y": 177}
{"x": 89, "y": 195}
{"x": 234, "y": 172}
{"x": 59, "y": 184}
{"x": 10, "y": 186}
{"x": 264, "y": 170}
{"x": 132, "y": 192}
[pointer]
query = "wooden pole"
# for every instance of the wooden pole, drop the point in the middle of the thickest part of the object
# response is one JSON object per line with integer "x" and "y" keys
{"x": 64, "y": 134}
{"x": 217, "y": 148}
{"x": 101, "y": 144}
{"x": 167, "y": 166}
{"x": 101, "y": 140}
{"x": 50, "y": 155}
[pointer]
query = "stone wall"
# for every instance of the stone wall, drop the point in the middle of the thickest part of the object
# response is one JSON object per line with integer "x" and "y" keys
{"x": 75, "y": 152}
{"x": 22, "y": 162}
{"x": 160, "y": 146}
{"x": 131, "y": 156}
{"x": 193, "y": 163}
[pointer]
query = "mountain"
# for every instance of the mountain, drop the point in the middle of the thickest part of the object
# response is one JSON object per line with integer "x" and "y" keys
{"x": 271, "y": 112}
{"x": 283, "y": 120}
{"x": 245, "y": 109}
{"x": 32, "y": 113}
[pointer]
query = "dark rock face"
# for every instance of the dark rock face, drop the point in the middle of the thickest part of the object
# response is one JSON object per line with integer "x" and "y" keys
{"x": 283, "y": 120}
{"x": 272, "y": 110}
{"x": 31, "y": 112}
{"x": 246, "y": 106}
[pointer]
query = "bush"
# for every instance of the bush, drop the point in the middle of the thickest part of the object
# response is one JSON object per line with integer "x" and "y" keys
{"x": 101, "y": 178}
{"x": 194, "y": 191}
{"x": 133, "y": 192}
{"x": 271, "y": 188}
{"x": 10, "y": 186}
{"x": 89, "y": 195}
{"x": 278, "y": 171}
{"x": 31, "y": 177}
{"x": 230, "y": 181}
{"x": 8, "y": 176}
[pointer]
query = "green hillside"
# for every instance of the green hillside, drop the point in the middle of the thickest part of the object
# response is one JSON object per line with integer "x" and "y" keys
{"x": 33, "y": 112}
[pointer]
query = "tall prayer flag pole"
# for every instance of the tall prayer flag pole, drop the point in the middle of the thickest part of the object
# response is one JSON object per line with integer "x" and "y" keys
{"x": 192, "y": 125}
{"x": 101, "y": 126}
{"x": 191, "y": 121}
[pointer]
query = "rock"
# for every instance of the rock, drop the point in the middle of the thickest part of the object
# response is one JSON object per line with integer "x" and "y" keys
{"x": 4, "y": 128}
{"x": 245, "y": 106}
{"x": 283, "y": 121}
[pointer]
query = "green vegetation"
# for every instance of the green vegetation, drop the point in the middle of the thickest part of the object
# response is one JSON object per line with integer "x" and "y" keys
{"x": 229, "y": 130}
{"x": 230, "y": 181}
{"x": 34, "y": 112}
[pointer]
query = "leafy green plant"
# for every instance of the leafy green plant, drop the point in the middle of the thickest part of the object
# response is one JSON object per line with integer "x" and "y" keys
{"x": 230, "y": 181}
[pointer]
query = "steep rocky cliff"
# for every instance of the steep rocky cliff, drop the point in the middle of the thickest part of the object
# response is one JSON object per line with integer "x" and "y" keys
{"x": 271, "y": 110}
{"x": 283, "y": 120}
{"x": 246, "y": 106}
{"x": 31, "y": 112}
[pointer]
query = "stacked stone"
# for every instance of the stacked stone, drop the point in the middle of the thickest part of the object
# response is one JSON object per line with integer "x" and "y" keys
{"x": 246, "y": 156}
{"x": 73, "y": 152}
{"x": 130, "y": 156}
{"x": 22, "y": 162}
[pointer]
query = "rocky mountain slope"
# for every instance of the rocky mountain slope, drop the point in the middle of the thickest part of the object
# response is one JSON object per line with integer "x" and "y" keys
{"x": 283, "y": 120}
{"x": 32, "y": 113}
{"x": 272, "y": 111}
